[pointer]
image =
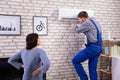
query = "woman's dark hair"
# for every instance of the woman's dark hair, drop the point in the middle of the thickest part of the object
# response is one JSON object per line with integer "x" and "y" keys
{"x": 83, "y": 14}
{"x": 31, "y": 40}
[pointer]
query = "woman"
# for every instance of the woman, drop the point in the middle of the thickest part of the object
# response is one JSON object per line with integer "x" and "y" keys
{"x": 35, "y": 60}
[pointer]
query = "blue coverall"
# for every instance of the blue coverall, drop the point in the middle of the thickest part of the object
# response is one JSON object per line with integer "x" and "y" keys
{"x": 91, "y": 52}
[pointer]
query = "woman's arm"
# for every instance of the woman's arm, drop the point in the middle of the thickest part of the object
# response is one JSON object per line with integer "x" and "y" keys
{"x": 45, "y": 64}
{"x": 45, "y": 61}
{"x": 14, "y": 60}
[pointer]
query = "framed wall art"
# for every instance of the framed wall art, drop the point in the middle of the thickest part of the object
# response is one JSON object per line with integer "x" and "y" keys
{"x": 10, "y": 24}
{"x": 40, "y": 25}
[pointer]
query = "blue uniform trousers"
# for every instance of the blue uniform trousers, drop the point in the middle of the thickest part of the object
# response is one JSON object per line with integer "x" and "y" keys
{"x": 91, "y": 53}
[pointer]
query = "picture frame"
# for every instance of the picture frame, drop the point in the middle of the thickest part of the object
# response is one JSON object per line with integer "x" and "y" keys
{"x": 40, "y": 25}
{"x": 10, "y": 24}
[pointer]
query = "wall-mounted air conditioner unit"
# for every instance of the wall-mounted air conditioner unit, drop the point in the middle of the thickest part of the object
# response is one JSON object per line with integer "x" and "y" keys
{"x": 69, "y": 14}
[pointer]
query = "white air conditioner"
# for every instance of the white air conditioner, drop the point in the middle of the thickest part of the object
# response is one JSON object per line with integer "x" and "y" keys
{"x": 69, "y": 14}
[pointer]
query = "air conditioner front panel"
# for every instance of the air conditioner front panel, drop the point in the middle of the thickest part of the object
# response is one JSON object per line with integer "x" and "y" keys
{"x": 67, "y": 14}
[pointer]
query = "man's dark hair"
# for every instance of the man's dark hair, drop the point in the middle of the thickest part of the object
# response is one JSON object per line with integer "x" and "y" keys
{"x": 83, "y": 14}
{"x": 31, "y": 40}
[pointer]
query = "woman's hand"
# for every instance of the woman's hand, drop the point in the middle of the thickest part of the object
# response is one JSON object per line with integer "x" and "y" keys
{"x": 36, "y": 72}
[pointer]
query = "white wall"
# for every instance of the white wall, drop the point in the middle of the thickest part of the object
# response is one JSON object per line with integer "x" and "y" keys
{"x": 61, "y": 44}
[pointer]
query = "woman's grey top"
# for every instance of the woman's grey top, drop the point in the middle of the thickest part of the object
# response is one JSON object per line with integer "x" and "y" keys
{"x": 32, "y": 60}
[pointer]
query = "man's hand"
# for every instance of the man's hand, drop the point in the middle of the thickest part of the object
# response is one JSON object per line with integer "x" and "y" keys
{"x": 22, "y": 66}
{"x": 36, "y": 72}
{"x": 73, "y": 25}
